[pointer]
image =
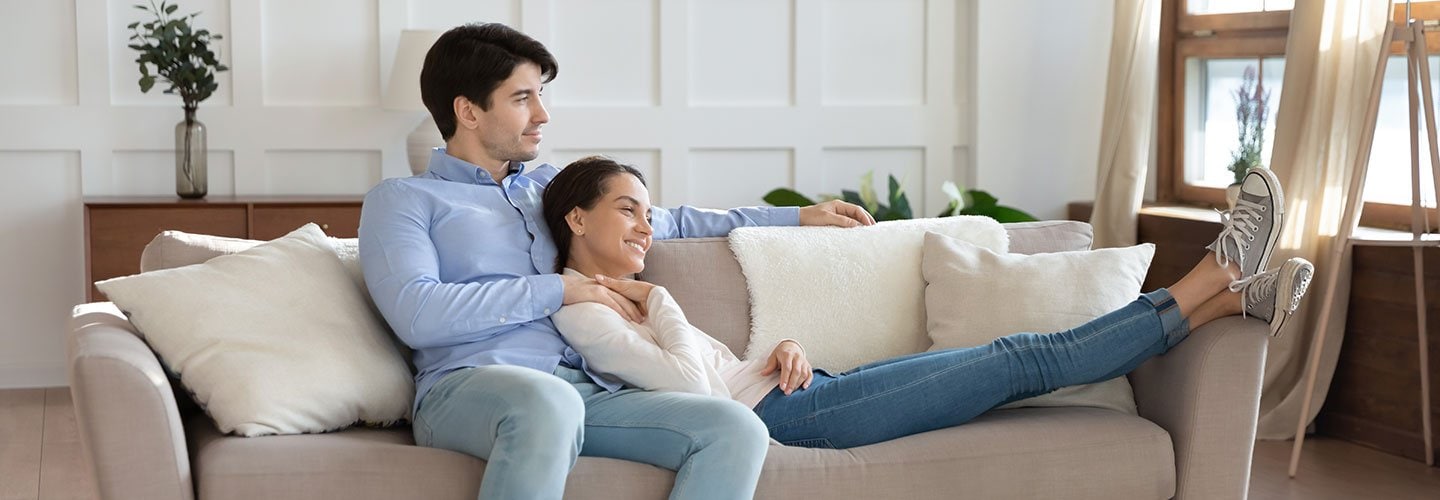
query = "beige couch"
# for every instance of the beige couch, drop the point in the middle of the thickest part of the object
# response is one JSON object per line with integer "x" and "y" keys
{"x": 1193, "y": 438}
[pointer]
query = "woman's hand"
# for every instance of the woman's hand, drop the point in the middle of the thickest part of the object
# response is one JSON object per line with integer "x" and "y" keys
{"x": 794, "y": 368}
{"x": 581, "y": 289}
{"x": 635, "y": 290}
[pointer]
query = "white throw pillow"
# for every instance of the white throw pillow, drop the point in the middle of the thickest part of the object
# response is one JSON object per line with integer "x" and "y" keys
{"x": 974, "y": 295}
{"x": 850, "y": 296}
{"x": 178, "y": 248}
{"x": 276, "y": 339}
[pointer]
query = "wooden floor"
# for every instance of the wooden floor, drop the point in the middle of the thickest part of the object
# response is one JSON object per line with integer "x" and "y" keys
{"x": 40, "y": 453}
{"x": 40, "y": 457}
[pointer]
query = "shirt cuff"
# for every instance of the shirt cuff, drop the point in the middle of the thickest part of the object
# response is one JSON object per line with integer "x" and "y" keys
{"x": 785, "y": 216}
{"x": 797, "y": 343}
{"x": 548, "y": 292}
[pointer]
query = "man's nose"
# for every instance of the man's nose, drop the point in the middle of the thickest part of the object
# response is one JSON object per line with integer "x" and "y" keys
{"x": 540, "y": 115}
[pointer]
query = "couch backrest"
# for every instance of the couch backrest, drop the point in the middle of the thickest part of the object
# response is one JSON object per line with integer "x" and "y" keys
{"x": 705, "y": 278}
{"x": 701, "y": 273}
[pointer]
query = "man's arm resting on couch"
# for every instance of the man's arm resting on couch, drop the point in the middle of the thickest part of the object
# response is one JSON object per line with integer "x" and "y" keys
{"x": 1206, "y": 393}
{"x": 125, "y": 409}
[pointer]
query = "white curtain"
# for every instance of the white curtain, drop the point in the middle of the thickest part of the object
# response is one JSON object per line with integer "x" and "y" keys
{"x": 1330, "y": 60}
{"x": 1127, "y": 129}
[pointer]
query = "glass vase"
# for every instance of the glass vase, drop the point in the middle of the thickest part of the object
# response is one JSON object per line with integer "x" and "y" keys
{"x": 190, "y": 155}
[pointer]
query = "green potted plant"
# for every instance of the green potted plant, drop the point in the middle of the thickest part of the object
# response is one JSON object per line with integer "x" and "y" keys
{"x": 1251, "y": 111}
{"x": 970, "y": 202}
{"x": 174, "y": 53}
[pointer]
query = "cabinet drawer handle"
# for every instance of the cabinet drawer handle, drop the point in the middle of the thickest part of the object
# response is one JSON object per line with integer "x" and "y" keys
{"x": 324, "y": 227}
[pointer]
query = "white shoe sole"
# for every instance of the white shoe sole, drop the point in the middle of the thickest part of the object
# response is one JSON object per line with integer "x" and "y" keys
{"x": 1295, "y": 275}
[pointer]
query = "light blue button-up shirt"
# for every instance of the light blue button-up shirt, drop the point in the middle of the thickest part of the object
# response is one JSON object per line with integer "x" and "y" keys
{"x": 461, "y": 266}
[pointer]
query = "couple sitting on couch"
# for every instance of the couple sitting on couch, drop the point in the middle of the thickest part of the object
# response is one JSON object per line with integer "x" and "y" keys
{"x": 529, "y": 369}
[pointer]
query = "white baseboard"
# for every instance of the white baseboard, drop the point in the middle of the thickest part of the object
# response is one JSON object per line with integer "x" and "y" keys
{"x": 29, "y": 375}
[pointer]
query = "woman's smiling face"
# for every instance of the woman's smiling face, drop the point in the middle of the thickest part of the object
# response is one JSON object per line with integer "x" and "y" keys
{"x": 614, "y": 236}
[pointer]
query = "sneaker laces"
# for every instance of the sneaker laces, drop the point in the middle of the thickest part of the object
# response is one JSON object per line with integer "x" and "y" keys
{"x": 1238, "y": 228}
{"x": 1254, "y": 289}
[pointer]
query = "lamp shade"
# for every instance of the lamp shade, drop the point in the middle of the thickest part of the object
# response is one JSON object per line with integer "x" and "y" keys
{"x": 403, "y": 92}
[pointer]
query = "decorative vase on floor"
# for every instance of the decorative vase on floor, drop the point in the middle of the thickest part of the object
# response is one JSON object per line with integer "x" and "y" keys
{"x": 190, "y": 155}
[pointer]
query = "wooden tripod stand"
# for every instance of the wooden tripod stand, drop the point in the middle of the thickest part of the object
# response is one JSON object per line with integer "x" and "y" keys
{"x": 1413, "y": 36}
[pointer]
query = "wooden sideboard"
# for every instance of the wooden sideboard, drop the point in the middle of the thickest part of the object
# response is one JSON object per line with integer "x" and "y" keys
{"x": 118, "y": 228}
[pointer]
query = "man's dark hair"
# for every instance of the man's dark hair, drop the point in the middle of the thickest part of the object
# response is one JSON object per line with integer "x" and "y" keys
{"x": 580, "y": 184}
{"x": 471, "y": 61}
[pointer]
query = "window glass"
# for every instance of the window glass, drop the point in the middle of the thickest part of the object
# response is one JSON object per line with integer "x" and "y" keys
{"x": 1234, "y": 6}
{"x": 1389, "y": 179}
{"x": 1212, "y": 129}
{"x": 1212, "y": 138}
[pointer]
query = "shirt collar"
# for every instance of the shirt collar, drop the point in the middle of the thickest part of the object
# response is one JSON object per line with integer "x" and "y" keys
{"x": 454, "y": 169}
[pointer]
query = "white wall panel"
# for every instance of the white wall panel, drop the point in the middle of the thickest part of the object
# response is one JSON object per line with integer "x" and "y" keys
{"x": 37, "y": 53}
{"x": 152, "y": 173}
{"x": 1040, "y": 141}
{"x": 729, "y": 66}
{"x": 845, "y": 166}
{"x": 446, "y": 14}
{"x": 321, "y": 172}
{"x": 647, "y": 161}
{"x": 874, "y": 52}
{"x": 718, "y": 102}
{"x": 320, "y": 53}
{"x": 964, "y": 174}
{"x": 608, "y": 53}
{"x": 43, "y": 269}
{"x": 125, "y": 73}
{"x": 724, "y": 178}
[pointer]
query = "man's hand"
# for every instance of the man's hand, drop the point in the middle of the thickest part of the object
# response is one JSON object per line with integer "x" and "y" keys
{"x": 582, "y": 289}
{"x": 835, "y": 213}
{"x": 794, "y": 368}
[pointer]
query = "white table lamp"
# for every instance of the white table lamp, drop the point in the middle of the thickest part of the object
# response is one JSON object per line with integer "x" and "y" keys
{"x": 403, "y": 94}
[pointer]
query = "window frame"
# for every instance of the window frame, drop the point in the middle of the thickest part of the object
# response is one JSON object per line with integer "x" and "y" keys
{"x": 1239, "y": 35}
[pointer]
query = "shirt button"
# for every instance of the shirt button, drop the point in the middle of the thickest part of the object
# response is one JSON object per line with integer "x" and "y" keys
{"x": 547, "y": 310}
{"x": 502, "y": 320}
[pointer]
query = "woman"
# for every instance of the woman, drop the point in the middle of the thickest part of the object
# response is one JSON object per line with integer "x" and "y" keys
{"x": 598, "y": 212}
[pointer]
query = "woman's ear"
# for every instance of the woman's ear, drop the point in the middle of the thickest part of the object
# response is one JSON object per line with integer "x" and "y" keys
{"x": 576, "y": 220}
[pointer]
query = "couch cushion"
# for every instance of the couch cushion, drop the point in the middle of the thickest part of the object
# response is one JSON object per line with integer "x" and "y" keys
{"x": 705, "y": 278}
{"x": 1027, "y": 453}
{"x": 1049, "y": 236}
{"x": 1068, "y": 453}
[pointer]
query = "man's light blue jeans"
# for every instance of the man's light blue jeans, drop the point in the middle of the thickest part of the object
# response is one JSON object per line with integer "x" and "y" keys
{"x": 530, "y": 426}
{"x": 933, "y": 390}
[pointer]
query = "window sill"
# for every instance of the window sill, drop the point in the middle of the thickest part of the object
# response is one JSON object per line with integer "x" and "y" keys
{"x": 1364, "y": 235}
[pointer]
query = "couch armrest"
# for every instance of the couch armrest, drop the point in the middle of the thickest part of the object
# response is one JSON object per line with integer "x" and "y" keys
{"x": 125, "y": 409}
{"x": 1206, "y": 393}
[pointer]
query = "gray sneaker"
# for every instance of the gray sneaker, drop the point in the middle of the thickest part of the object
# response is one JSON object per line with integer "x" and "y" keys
{"x": 1250, "y": 230}
{"x": 1273, "y": 295}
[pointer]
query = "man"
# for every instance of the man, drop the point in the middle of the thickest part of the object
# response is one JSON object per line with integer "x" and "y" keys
{"x": 454, "y": 258}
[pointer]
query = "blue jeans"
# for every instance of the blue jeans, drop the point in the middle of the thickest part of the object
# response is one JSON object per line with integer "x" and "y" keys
{"x": 530, "y": 426}
{"x": 933, "y": 390}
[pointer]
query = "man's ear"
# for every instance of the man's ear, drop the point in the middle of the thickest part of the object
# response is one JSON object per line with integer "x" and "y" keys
{"x": 465, "y": 113}
{"x": 576, "y": 220}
